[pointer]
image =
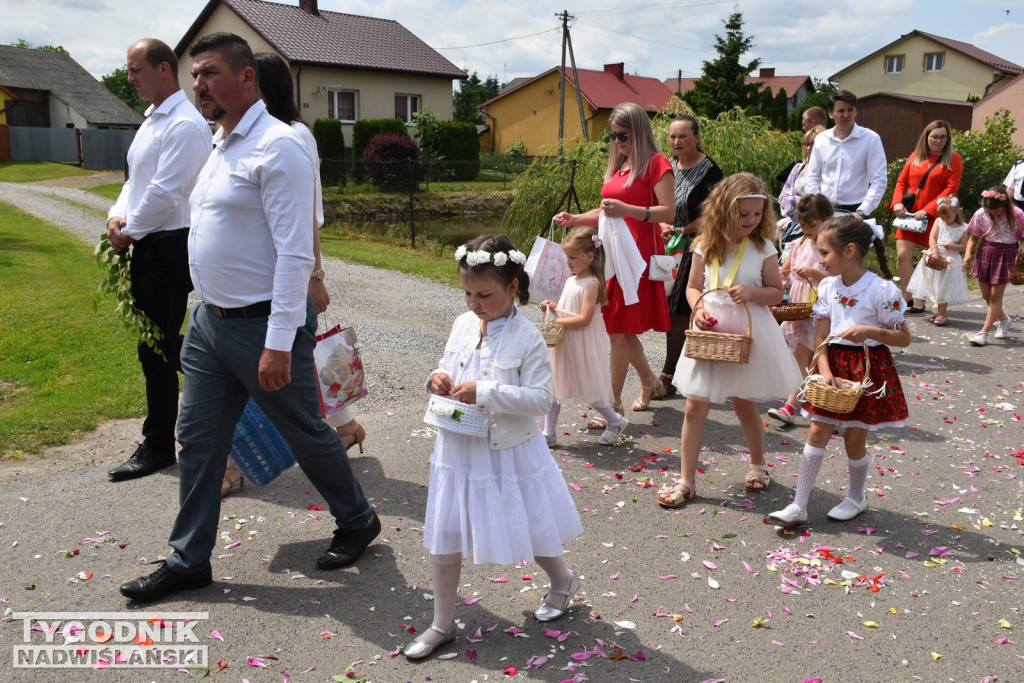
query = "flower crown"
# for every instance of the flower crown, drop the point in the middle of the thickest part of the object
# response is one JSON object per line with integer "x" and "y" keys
{"x": 992, "y": 194}
{"x": 480, "y": 257}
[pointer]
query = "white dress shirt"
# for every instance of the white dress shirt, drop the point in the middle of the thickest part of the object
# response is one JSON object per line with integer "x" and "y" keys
{"x": 165, "y": 156}
{"x": 314, "y": 155}
{"x": 250, "y": 239}
{"x": 848, "y": 171}
{"x": 1014, "y": 179}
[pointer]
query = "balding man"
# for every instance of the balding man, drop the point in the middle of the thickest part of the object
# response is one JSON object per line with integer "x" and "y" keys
{"x": 151, "y": 216}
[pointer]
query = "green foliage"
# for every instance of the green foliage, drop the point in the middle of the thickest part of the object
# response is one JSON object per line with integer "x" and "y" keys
{"x": 330, "y": 143}
{"x": 516, "y": 151}
{"x": 472, "y": 91}
{"x": 386, "y": 161}
{"x": 722, "y": 84}
{"x": 428, "y": 132}
{"x": 21, "y": 42}
{"x": 818, "y": 98}
{"x": 451, "y": 149}
{"x": 117, "y": 281}
{"x": 117, "y": 83}
{"x": 364, "y": 130}
{"x": 988, "y": 156}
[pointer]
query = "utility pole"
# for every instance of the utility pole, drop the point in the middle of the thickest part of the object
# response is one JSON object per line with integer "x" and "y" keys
{"x": 567, "y": 43}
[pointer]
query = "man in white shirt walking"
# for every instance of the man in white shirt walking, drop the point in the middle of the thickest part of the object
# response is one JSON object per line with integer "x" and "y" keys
{"x": 847, "y": 163}
{"x": 152, "y": 213}
{"x": 251, "y": 255}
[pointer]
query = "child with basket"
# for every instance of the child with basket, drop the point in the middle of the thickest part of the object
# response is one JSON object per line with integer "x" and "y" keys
{"x": 999, "y": 226}
{"x": 579, "y": 362}
{"x": 939, "y": 275}
{"x": 800, "y": 267}
{"x": 737, "y": 350}
{"x": 859, "y": 316}
{"x": 495, "y": 492}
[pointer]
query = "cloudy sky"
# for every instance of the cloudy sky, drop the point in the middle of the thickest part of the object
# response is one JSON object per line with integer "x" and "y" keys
{"x": 510, "y": 38}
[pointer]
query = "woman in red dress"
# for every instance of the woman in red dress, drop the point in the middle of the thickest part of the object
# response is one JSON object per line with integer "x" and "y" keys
{"x": 638, "y": 187}
{"x": 934, "y": 148}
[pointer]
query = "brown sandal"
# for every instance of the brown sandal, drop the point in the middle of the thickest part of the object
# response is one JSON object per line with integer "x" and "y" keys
{"x": 670, "y": 496}
{"x": 757, "y": 479}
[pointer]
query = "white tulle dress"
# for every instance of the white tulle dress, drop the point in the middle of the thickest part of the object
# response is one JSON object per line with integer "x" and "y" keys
{"x": 503, "y": 505}
{"x": 579, "y": 364}
{"x": 947, "y": 286}
{"x": 771, "y": 372}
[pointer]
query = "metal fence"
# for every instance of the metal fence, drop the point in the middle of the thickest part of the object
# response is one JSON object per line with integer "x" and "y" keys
{"x": 96, "y": 149}
{"x": 417, "y": 202}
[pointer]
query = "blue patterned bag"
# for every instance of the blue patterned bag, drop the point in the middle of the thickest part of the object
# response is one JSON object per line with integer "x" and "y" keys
{"x": 258, "y": 449}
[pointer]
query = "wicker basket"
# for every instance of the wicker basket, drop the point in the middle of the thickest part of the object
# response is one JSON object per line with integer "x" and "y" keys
{"x": 1016, "y": 271}
{"x": 718, "y": 347}
{"x": 936, "y": 261}
{"x": 455, "y": 416}
{"x": 551, "y": 332}
{"x": 791, "y": 312}
{"x": 837, "y": 399}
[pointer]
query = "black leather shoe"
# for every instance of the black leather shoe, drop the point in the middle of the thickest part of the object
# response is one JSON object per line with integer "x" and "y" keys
{"x": 143, "y": 461}
{"x": 165, "y": 581}
{"x": 348, "y": 545}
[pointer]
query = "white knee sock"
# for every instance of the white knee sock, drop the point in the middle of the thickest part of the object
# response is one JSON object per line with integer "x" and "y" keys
{"x": 447, "y": 570}
{"x": 810, "y": 464}
{"x": 858, "y": 477}
{"x": 551, "y": 419}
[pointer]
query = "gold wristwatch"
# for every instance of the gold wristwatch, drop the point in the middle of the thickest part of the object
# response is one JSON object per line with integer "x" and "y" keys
{"x": 318, "y": 274}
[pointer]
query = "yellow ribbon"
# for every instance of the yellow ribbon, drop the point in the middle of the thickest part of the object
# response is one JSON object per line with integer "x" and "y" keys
{"x": 731, "y": 275}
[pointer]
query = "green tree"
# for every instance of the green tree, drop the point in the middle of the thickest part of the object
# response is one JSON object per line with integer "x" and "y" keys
{"x": 21, "y": 42}
{"x": 817, "y": 98}
{"x": 472, "y": 91}
{"x": 723, "y": 83}
{"x": 117, "y": 83}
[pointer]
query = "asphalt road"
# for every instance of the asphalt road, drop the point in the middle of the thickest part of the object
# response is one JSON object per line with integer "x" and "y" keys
{"x": 708, "y": 592}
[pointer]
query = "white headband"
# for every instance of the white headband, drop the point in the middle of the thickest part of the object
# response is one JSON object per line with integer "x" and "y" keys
{"x": 752, "y": 196}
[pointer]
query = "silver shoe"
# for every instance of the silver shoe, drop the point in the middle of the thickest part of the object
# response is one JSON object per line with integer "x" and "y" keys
{"x": 612, "y": 432}
{"x": 419, "y": 649}
{"x": 548, "y": 613}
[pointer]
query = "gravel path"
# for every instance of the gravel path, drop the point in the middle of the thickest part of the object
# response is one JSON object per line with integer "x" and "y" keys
{"x": 705, "y": 593}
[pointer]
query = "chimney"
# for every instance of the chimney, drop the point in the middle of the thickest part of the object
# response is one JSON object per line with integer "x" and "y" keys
{"x": 767, "y": 73}
{"x": 309, "y": 7}
{"x": 617, "y": 70}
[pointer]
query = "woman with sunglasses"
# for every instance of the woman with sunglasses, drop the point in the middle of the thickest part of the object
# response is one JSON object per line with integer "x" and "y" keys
{"x": 638, "y": 188}
{"x": 932, "y": 171}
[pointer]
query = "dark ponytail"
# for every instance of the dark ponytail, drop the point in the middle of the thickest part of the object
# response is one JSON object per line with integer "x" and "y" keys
{"x": 505, "y": 273}
{"x": 850, "y": 229}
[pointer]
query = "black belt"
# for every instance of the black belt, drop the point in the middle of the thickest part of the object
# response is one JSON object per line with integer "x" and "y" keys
{"x": 260, "y": 309}
{"x": 848, "y": 207}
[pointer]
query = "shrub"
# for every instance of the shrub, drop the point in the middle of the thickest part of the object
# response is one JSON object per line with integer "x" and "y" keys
{"x": 456, "y": 151}
{"x": 330, "y": 143}
{"x": 365, "y": 130}
{"x": 386, "y": 161}
{"x": 988, "y": 156}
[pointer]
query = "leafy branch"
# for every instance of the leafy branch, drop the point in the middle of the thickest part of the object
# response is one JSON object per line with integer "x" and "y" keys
{"x": 117, "y": 281}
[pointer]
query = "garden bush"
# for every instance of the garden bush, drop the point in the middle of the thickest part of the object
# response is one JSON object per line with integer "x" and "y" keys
{"x": 386, "y": 161}
{"x": 330, "y": 143}
{"x": 364, "y": 131}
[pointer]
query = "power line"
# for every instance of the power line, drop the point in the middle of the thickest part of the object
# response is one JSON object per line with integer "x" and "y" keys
{"x": 503, "y": 40}
{"x": 648, "y": 8}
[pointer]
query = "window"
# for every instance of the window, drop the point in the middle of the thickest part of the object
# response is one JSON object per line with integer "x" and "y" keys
{"x": 894, "y": 64}
{"x": 406, "y": 106}
{"x": 341, "y": 104}
{"x": 934, "y": 61}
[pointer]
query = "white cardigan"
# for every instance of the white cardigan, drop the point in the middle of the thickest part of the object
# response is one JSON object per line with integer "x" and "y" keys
{"x": 515, "y": 388}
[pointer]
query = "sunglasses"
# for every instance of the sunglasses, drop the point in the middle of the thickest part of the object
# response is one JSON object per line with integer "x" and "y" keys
{"x": 621, "y": 137}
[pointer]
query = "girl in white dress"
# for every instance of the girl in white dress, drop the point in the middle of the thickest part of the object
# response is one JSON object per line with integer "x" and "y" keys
{"x": 579, "y": 363}
{"x": 500, "y": 495}
{"x": 947, "y": 239}
{"x": 735, "y": 244}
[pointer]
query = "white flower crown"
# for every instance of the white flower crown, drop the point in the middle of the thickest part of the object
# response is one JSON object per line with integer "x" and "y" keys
{"x": 479, "y": 257}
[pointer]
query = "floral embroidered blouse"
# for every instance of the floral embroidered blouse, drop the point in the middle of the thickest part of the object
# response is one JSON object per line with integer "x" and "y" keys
{"x": 869, "y": 301}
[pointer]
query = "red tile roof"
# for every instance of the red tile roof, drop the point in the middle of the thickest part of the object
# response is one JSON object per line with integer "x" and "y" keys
{"x": 604, "y": 90}
{"x": 791, "y": 84}
{"x": 332, "y": 38}
{"x": 976, "y": 53}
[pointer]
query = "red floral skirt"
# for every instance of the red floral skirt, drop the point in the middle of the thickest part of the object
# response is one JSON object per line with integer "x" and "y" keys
{"x": 871, "y": 412}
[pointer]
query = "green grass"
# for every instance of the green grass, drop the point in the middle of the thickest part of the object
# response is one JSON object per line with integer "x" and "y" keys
{"x": 64, "y": 367}
{"x": 109, "y": 191}
{"x": 31, "y": 171}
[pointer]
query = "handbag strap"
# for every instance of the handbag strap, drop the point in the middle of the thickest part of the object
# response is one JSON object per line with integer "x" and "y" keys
{"x": 731, "y": 275}
{"x": 925, "y": 176}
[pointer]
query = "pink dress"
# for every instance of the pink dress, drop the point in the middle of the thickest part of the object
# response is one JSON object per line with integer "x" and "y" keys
{"x": 579, "y": 364}
{"x": 651, "y": 312}
{"x": 804, "y": 254}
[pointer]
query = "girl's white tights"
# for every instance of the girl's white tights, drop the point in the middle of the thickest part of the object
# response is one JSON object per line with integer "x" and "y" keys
{"x": 447, "y": 570}
{"x": 551, "y": 419}
{"x": 810, "y": 465}
{"x": 858, "y": 478}
{"x": 558, "y": 573}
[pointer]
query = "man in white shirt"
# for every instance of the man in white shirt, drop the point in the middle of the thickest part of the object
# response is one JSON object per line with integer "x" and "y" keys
{"x": 152, "y": 213}
{"x": 1014, "y": 183}
{"x": 847, "y": 163}
{"x": 251, "y": 255}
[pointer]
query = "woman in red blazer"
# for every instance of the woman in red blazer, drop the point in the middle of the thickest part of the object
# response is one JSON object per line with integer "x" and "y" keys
{"x": 934, "y": 151}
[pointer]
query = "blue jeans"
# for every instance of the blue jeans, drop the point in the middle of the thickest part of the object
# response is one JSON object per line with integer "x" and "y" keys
{"x": 220, "y": 358}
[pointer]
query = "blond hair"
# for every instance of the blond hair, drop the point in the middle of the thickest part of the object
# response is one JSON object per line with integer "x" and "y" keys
{"x": 633, "y": 118}
{"x": 947, "y": 203}
{"x": 582, "y": 240}
{"x": 721, "y": 217}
